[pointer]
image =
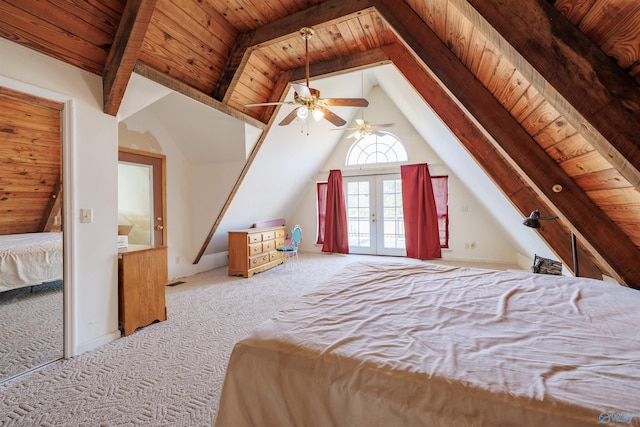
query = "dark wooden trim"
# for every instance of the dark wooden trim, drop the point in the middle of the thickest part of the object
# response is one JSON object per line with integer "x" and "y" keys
{"x": 186, "y": 90}
{"x": 54, "y": 208}
{"x": 124, "y": 52}
{"x": 343, "y": 64}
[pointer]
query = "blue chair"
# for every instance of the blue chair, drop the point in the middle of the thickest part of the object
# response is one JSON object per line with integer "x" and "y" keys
{"x": 291, "y": 249}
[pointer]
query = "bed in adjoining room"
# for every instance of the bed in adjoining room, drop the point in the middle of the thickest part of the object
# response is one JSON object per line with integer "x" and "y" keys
{"x": 30, "y": 259}
{"x": 398, "y": 344}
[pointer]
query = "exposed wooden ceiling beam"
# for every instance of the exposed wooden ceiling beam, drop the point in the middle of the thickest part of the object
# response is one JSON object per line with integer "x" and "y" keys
{"x": 482, "y": 150}
{"x": 342, "y": 64}
{"x": 180, "y": 87}
{"x": 329, "y": 12}
{"x": 124, "y": 52}
{"x": 599, "y": 234}
{"x": 52, "y": 210}
{"x": 595, "y": 95}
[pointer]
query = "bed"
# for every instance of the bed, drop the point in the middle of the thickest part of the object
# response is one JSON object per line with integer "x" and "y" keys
{"x": 400, "y": 344}
{"x": 30, "y": 259}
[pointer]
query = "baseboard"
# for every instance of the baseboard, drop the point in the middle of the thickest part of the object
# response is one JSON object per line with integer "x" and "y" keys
{"x": 97, "y": 342}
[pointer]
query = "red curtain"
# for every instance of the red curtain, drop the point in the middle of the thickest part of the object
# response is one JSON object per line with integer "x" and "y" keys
{"x": 420, "y": 216}
{"x": 335, "y": 229}
{"x": 322, "y": 210}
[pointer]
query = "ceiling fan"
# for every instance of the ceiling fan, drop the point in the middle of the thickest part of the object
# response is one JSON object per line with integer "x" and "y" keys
{"x": 363, "y": 127}
{"x": 308, "y": 99}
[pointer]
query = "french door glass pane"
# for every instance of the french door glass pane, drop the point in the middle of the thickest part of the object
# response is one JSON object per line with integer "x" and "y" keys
{"x": 358, "y": 215}
{"x": 393, "y": 219}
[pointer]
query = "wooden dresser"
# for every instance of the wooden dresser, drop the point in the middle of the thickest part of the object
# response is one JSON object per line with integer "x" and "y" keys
{"x": 254, "y": 250}
{"x": 142, "y": 276}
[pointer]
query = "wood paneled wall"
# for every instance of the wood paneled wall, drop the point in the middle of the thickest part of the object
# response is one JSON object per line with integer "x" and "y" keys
{"x": 30, "y": 163}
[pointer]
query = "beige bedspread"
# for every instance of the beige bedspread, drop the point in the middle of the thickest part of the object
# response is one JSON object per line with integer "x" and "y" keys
{"x": 396, "y": 344}
{"x": 30, "y": 259}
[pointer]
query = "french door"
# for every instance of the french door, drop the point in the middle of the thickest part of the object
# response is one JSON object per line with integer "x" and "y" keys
{"x": 374, "y": 215}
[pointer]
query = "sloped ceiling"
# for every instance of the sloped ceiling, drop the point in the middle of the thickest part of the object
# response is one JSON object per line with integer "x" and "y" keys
{"x": 544, "y": 95}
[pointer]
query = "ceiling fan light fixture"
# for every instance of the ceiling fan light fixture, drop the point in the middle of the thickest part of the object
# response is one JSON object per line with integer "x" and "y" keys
{"x": 318, "y": 114}
{"x": 302, "y": 113}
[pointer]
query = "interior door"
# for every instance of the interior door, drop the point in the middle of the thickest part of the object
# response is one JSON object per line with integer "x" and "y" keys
{"x": 374, "y": 215}
{"x": 141, "y": 196}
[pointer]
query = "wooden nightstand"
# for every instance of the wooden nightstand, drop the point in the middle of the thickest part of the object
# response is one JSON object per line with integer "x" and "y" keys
{"x": 142, "y": 276}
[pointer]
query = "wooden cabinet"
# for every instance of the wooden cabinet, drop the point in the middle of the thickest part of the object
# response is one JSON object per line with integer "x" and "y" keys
{"x": 142, "y": 276}
{"x": 254, "y": 250}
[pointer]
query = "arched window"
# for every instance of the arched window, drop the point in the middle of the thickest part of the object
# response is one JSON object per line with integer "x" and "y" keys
{"x": 379, "y": 147}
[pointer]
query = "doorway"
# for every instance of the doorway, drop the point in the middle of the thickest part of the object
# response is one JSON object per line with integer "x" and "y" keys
{"x": 141, "y": 197}
{"x": 32, "y": 282}
{"x": 374, "y": 214}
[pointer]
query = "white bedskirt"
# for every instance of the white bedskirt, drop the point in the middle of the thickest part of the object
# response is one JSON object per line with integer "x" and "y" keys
{"x": 30, "y": 259}
{"x": 400, "y": 344}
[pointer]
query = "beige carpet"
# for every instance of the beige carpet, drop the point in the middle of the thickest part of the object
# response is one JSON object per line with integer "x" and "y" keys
{"x": 30, "y": 328}
{"x": 169, "y": 373}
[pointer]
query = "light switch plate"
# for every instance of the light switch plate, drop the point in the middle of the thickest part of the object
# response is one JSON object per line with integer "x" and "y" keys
{"x": 86, "y": 215}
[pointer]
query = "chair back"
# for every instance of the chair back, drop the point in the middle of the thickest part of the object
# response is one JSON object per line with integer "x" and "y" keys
{"x": 296, "y": 235}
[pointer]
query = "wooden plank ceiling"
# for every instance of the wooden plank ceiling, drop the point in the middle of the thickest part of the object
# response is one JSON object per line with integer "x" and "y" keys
{"x": 552, "y": 86}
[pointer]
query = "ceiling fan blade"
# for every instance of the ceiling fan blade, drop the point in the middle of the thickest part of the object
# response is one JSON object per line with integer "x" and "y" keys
{"x": 333, "y": 118}
{"x": 262, "y": 104}
{"x": 292, "y": 115}
{"x": 353, "y": 135}
{"x": 301, "y": 90}
{"x": 346, "y": 102}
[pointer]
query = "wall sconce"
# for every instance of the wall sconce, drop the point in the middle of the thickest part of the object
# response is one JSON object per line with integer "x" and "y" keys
{"x": 533, "y": 221}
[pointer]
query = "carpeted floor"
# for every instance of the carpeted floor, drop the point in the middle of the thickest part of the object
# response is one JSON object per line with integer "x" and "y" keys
{"x": 30, "y": 327}
{"x": 169, "y": 373}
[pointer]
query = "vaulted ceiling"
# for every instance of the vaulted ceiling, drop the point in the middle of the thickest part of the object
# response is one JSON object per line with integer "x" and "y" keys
{"x": 543, "y": 94}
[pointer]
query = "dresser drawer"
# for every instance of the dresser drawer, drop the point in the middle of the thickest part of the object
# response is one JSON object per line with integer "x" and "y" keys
{"x": 276, "y": 255}
{"x": 268, "y": 235}
{"x": 254, "y": 238}
{"x": 269, "y": 246}
{"x": 280, "y": 234}
{"x": 258, "y": 260}
{"x": 255, "y": 249}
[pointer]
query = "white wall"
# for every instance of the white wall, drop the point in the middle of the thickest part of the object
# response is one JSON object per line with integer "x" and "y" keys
{"x": 469, "y": 220}
{"x": 197, "y": 185}
{"x": 90, "y": 181}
